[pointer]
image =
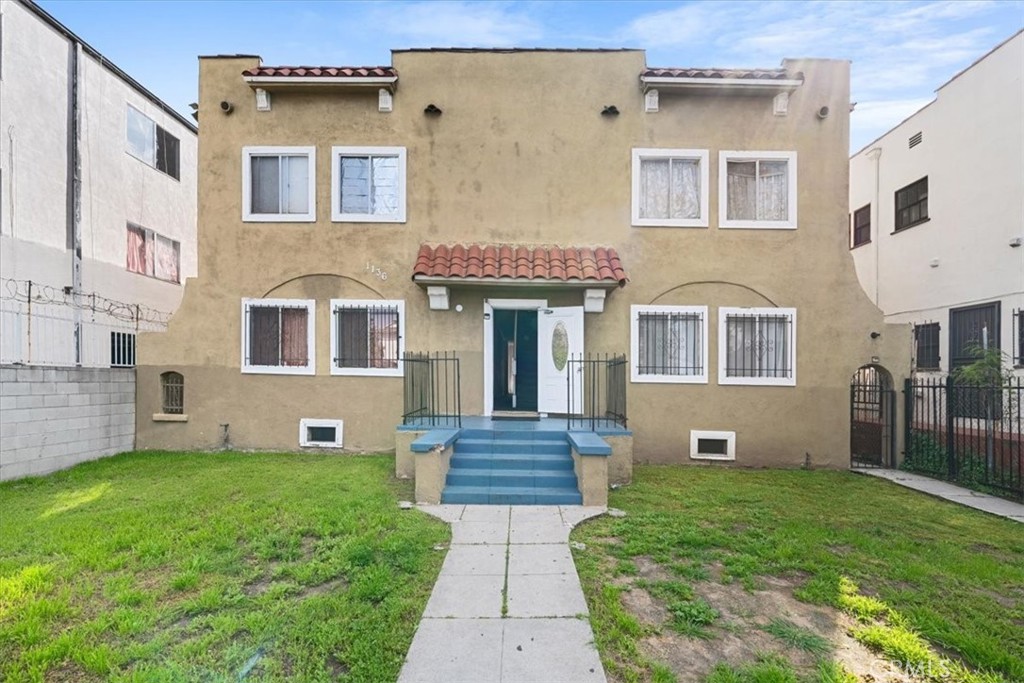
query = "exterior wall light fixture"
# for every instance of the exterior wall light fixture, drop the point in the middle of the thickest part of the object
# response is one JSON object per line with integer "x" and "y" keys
{"x": 432, "y": 110}
{"x": 610, "y": 110}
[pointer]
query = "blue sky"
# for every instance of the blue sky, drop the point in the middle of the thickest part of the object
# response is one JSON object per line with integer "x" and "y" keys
{"x": 901, "y": 51}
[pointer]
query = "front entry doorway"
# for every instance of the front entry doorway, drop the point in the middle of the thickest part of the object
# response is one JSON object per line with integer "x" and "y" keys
{"x": 527, "y": 352}
{"x": 515, "y": 361}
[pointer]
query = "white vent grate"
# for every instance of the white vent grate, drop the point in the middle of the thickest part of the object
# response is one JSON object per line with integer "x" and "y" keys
{"x": 915, "y": 140}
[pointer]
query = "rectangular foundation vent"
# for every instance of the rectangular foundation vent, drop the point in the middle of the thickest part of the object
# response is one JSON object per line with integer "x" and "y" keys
{"x": 320, "y": 433}
{"x": 707, "y": 445}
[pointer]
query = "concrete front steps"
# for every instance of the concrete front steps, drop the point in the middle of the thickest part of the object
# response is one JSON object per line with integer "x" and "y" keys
{"x": 512, "y": 467}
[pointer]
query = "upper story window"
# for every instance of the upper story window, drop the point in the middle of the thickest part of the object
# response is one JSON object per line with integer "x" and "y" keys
{"x": 669, "y": 343}
{"x": 279, "y": 184}
{"x": 368, "y": 184}
{"x": 862, "y": 225}
{"x": 670, "y": 187}
{"x": 757, "y": 190}
{"x": 757, "y": 346}
{"x": 278, "y": 336}
{"x": 912, "y": 204}
{"x": 367, "y": 337}
{"x": 926, "y": 341}
{"x": 152, "y": 144}
{"x": 152, "y": 254}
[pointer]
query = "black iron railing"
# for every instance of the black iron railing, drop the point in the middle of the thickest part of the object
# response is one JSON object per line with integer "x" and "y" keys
{"x": 597, "y": 391}
{"x": 432, "y": 389}
{"x": 972, "y": 434}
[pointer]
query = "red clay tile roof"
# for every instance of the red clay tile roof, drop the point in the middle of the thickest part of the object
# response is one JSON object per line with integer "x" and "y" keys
{"x": 511, "y": 261}
{"x": 752, "y": 74}
{"x": 322, "y": 71}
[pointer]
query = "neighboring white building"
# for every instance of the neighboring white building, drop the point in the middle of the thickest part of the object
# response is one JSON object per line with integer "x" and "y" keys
{"x": 97, "y": 196}
{"x": 937, "y": 214}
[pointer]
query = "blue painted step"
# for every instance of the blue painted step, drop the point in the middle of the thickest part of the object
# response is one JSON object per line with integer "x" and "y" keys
{"x": 512, "y": 467}
{"x": 510, "y": 495}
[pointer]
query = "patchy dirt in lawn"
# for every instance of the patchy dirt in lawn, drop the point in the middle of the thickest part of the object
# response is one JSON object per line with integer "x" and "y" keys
{"x": 738, "y": 636}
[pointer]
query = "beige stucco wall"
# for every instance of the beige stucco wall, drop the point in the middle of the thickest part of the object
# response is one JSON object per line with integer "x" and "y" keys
{"x": 522, "y": 154}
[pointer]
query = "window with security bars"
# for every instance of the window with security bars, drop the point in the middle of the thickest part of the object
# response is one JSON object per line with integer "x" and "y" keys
{"x": 278, "y": 336}
{"x": 669, "y": 344}
{"x": 122, "y": 349}
{"x": 368, "y": 184}
{"x": 367, "y": 337}
{"x": 912, "y": 204}
{"x": 862, "y": 226}
{"x": 172, "y": 391}
{"x": 926, "y": 341}
{"x": 757, "y": 346}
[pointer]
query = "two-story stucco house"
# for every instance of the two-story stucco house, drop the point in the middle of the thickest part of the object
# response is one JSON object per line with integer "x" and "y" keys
{"x": 937, "y": 215}
{"x": 574, "y": 231}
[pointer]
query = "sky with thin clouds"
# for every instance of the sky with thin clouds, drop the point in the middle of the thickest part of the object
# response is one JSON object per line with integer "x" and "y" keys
{"x": 901, "y": 51}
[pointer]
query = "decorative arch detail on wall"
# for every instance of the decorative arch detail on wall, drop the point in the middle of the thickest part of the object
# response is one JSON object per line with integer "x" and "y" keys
{"x": 337, "y": 275}
{"x": 714, "y": 282}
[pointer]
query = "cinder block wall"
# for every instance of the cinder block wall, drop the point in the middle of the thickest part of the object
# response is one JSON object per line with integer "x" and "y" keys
{"x": 53, "y": 418}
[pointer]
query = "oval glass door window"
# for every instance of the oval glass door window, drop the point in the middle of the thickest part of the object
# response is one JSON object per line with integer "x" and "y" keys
{"x": 560, "y": 346}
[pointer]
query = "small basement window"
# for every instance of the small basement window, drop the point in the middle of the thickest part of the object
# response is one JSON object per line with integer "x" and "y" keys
{"x": 172, "y": 390}
{"x": 320, "y": 433}
{"x": 705, "y": 445}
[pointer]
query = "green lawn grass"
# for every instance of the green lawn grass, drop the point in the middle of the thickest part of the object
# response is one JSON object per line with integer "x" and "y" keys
{"x": 917, "y": 571}
{"x": 214, "y": 567}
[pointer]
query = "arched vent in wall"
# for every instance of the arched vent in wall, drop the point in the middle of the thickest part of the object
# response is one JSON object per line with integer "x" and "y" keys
{"x": 915, "y": 140}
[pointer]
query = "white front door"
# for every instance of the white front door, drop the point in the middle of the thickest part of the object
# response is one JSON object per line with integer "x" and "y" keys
{"x": 559, "y": 338}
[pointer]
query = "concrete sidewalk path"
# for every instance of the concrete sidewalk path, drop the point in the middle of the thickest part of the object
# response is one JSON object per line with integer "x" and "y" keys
{"x": 507, "y": 605}
{"x": 951, "y": 492}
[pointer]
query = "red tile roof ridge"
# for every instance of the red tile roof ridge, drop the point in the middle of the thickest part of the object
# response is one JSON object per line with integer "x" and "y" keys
{"x": 519, "y": 261}
{"x": 322, "y": 71}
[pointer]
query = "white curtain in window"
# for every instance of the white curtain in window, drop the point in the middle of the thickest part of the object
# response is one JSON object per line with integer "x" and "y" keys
{"x": 758, "y": 346}
{"x": 266, "y": 184}
{"x": 295, "y": 191}
{"x": 757, "y": 190}
{"x": 670, "y": 344}
{"x": 669, "y": 188}
{"x": 385, "y": 186}
{"x": 166, "y": 259}
{"x": 355, "y": 185}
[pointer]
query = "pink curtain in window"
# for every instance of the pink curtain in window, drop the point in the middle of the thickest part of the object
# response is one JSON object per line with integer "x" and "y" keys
{"x": 166, "y": 259}
{"x": 136, "y": 251}
{"x": 294, "y": 338}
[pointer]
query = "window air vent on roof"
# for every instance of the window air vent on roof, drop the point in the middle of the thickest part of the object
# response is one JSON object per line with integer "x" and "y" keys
{"x": 915, "y": 140}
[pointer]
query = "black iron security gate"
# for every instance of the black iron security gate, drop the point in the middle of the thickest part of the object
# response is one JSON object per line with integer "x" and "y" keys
{"x": 872, "y": 418}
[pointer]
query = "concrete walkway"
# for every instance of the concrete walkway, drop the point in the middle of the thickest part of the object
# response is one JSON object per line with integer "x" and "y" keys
{"x": 952, "y": 492}
{"x": 508, "y": 605}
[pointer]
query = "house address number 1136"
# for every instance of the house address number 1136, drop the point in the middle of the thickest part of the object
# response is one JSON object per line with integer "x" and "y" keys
{"x": 376, "y": 270}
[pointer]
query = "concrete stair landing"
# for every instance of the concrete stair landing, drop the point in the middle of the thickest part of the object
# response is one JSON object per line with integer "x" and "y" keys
{"x": 512, "y": 467}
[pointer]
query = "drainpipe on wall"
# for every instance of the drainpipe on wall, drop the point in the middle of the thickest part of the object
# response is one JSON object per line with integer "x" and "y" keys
{"x": 74, "y": 194}
{"x": 875, "y": 155}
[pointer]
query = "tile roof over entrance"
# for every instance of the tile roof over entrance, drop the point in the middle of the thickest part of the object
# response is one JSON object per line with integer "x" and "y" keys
{"x": 498, "y": 261}
{"x": 321, "y": 72}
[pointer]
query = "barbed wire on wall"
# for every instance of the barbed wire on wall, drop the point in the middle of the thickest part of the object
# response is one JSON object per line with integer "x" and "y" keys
{"x": 29, "y": 292}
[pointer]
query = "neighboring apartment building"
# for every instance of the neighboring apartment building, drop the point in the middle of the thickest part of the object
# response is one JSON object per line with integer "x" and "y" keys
{"x": 97, "y": 238}
{"x": 520, "y": 208}
{"x": 937, "y": 215}
{"x": 97, "y": 192}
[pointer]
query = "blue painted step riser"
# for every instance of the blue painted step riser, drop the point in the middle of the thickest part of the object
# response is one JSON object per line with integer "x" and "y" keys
{"x": 481, "y": 446}
{"x": 542, "y": 479}
{"x": 513, "y": 434}
{"x": 492, "y": 497}
{"x": 481, "y": 462}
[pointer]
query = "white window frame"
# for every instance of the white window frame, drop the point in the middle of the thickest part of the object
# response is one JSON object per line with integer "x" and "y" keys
{"x": 369, "y": 303}
{"x": 337, "y": 152}
{"x": 724, "y": 158}
{"x": 339, "y": 433}
{"x": 247, "y": 214}
{"x": 634, "y": 345}
{"x": 310, "y": 367}
{"x": 730, "y": 445}
{"x": 700, "y": 155}
{"x": 723, "y": 342}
